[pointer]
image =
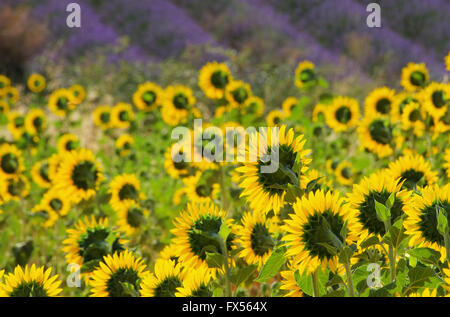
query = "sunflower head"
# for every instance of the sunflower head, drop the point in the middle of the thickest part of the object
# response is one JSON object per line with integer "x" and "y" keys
{"x": 213, "y": 79}
{"x": 377, "y": 135}
{"x": 164, "y": 282}
{"x": 124, "y": 144}
{"x": 36, "y": 83}
{"x": 342, "y": 114}
{"x": 318, "y": 219}
{"x": 148, "y": 96}
{"x": 414, "y": 77}
{"x": 118, "y": 275}
{"x": 265, "y": 188}
{"x": 11, "y": 161}
{"x": 79, "y": 174}
{"x": 435, "y": 99}
{"x": 102, "y": 117}
{"x": 78, "y": 92}
{"x": 131, "y": 217}
{"x": 345, "y": 173}
{"x": 39, "y": 174}
{"x": 254, "y": 105}
{"x": 68, "y": 142}
{"x": 305, "y": 74}
{"x": 61, "y": 102}
{"x": 380, "y": 102}
{"x": 377, "y": 187}
{"x": 89, "y": 241}
{"x": 122, "y": 115}
{"x": 124, "y": 189}
{"x": 413, "y": 170}
{"x": 35, "y": 122}
{"x": 275, "y": 118}
{"x": 30, "y": 282}
{"x": 237, "y": 92}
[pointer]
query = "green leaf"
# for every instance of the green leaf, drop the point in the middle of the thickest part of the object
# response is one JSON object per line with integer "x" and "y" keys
{"x": 442, "y": 220}
{"x": 390, "y": 201}
{"x": 304, "y": 281}
{"x": 373, "y": 240}
{"x": 335, "y": 280}
{"x": 332, "y": 250}
{"x": 383, "y": 213}
{"x": 396, "y": 235}
{"x": 218, "y": 292}
{"x": 418, "y": 276}
{"x": 345, "y": 255}
{"x": 224, "y": 231}
{"x": 89, "y": 266}
{"x": 292, "y": 193}
{"x": 426, "y": 255}
{"x": 243, "y": 274}
{"x": 215, "y": 260}
{"x": 272, "y": 265}
{"x": 385, "y": 291}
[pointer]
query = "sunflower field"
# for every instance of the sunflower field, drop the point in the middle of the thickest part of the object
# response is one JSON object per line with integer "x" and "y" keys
{"x": 94, "y": 203}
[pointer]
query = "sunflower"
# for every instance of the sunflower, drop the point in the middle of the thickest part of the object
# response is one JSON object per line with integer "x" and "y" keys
{"x": 213, "y": 79}
{"x": 36, "y": 83}
{"x": 178, "y": 196}
{"x": 345, "y": 173}
{"x": 234, "y": 136}
{"x": 414, "y": 77}
{"x": 30, "y": 282}
{"x": 377, "y": 135}
{"x": 331, "y": 165}
{"x": 304, "y": 74}
{"x": 201, "y": 188}
{"x": 196, "y": 284}
{"x": 122, "y": 115}
{"x": 253, "y": 105}
{"x": 313, "y": 180}
{"x": 255, "y": 237}
{"x": 78, "y": 175}
{"x": 178, "y": 103}
{"x": 4, "y": 83}
{"x": 169, "y": 252}
{"x": 11, "y": 94}
{"x": 401, "y": 100}
{"x": 412, "y": 118}
{"x": 124, "y": 144}
{"x": 148, "y": 96}
{"x": 289, "y": 284}
{"x": 89, "y": 241}
{"x": 194, "y": 233}
{"x": 274, "y": 118}
{"x": 421, "y": 220}
{"x": 68, "y": 142}
{"x": 102, "y": 117}
{"x": 48, "y": 215}
{"x": 78, "y": 92}
{"x": 237, "y": 92}
{"x": 264, "y": 191}
{"x": 54, "y": 163}
{"x": 380, "y": 102}
{"x": 288, "y": 105}
{"x": 39, "y": 174}
{"x": 35, "y": 122}
{"x": 61, "y": 102}
{"x": 426, "y": 293}
{"x": 118, "y": 275}
{"x": 11, "y": 161}
{"x": 124, "y": 188}
{"x": 204, "y": 141}
{"x": 56, "y": 201}
{"x": 376, "y": 187}
{"x": 413, "y": 170}
{"x": 131, "y": 217}
{"x": 319, "y": 112}
{"x": 307, "y": 230}
{"x": 221, "y": 111}
{"x": 168, "y": 276}
{"x": 435, "y": 99}
{"x": 4, "y": 107}
{"x": 342, "y": 113}
{"x": 14, "y": 188}
{"x": 16, "y": 124}
{"x": 175, "y": 169}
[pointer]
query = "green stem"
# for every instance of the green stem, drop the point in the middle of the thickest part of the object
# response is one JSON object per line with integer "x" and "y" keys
{"x": 228, "y": 291}
{"x": 223, "y": 187}
{"x": 447, "y": 246}
{"x": 391, "y": 254}
{"x": 348, "y": 272}
{"x": 315, "y": 282}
